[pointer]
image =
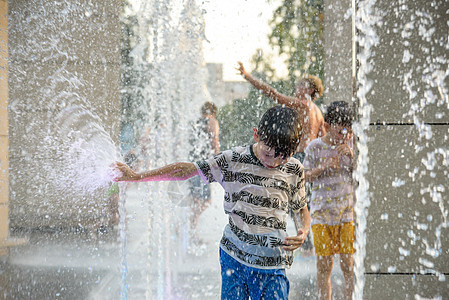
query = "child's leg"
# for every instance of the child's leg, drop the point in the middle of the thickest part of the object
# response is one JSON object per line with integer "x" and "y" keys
{"x": 201, "y": 199}
{"x": 195, "y": 212}
{"x": 347, "y": 266}
{"x": 233, "y": 285}
{"x": 324, "y": 265}
{"x": 325, "y": 247}
{"x": 346, "y": 257}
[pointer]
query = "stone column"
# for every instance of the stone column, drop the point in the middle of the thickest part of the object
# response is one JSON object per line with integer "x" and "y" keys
{"x": 407, "y": 232}
{"x": 407, "y": 225}
{"x": 4, "y": 162}
{"x": 337, "y": 33}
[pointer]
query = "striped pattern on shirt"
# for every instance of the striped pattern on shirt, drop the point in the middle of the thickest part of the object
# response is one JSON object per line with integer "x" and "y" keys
{"x": 257, "y": 200}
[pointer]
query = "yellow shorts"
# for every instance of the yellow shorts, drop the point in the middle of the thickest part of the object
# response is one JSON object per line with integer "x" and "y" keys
{"x": 333, "y": 239}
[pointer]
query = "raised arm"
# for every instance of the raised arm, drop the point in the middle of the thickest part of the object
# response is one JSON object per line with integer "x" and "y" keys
{"x": 173, "y": 172}
{"x": 268, "y": 90}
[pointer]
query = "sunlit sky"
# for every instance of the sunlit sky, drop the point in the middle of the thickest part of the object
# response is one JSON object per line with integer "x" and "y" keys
{"x": 235, "y": 29}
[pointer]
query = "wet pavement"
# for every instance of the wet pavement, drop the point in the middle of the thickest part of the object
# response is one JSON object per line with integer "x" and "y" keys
{"x": 154, "y": 260}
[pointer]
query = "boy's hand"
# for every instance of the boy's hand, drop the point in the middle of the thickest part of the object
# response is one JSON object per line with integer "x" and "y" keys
{"x": 241, "y": 69}
{"x": 294, "y": 242}
{"x": 332, "y": 163}
{"x": 344, "y": 149}
{"x": 127, "y": 172}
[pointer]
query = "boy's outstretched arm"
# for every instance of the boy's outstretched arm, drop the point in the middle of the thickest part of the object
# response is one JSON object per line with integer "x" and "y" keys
{"x": 172, "y": 172}
{"x": 267, "y": 89}
{"x": 302, "y": 225}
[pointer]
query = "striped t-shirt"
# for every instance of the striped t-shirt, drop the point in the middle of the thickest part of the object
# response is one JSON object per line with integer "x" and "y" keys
{"x": 257, "y": 200}
{"x": 332, "y": 195}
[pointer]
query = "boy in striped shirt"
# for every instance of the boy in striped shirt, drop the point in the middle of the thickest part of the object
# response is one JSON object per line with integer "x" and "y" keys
{"x": 262, "y": 183}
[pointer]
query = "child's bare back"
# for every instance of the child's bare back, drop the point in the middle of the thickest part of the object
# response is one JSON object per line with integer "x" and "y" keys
{"x": 312, "y": 125}
{"x": 308, "y": 89}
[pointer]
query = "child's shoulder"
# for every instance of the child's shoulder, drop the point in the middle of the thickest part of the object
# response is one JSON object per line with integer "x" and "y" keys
{"x": 317, "y": 141}
{"x": 294, "y": 161}
{"x": 235, "y": 151}
{"x": 293, "y": 166}
{"x": 240, "y": 150}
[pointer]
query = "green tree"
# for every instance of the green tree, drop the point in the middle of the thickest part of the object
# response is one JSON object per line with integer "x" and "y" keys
{"x": 238, "y": 118}
{"x": 297, "y": 35}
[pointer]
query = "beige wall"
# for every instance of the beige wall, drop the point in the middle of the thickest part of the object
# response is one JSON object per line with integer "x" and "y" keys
{"x": 407, "y": 238}
{"x": 4, "y": 175}
{"x": 407, "y": 234}
{"x": 52, "y": 45}
{"x": 337, "y": 34}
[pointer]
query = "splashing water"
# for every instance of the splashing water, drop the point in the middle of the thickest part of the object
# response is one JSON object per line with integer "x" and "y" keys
{"x": 365, "y": 20}
{"x": 123, "y": 243}
{"x": 66, "y": 148}
{"x": 422, "y": 75}
{"x": 80, "y": 158}
{"x": 171, "y": 35}
{"x": 84, "y": 152}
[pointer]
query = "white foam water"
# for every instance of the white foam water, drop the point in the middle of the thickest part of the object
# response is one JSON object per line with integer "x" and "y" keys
{"x": 84, "y": 152}
{"x": 365, "y": 22}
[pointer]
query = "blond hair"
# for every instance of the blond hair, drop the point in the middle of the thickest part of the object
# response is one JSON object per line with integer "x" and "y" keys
{"x": 209, "y": 108}
{"x": 315, "y": 84}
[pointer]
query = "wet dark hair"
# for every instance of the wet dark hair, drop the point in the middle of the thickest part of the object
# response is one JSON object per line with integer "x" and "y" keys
{"x": 280, "y": 129}
{"x": 208, "y": 108}
{"x": 340, "y": 113}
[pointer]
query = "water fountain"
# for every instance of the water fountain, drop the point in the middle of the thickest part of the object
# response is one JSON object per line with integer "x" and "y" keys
{"x": 174, "y": 94}
{"x": 402, "y": 89}
{"x": 64, "y": 114}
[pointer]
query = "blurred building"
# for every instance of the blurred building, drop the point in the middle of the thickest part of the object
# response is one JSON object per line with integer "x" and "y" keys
{"x": 223, "y": 92}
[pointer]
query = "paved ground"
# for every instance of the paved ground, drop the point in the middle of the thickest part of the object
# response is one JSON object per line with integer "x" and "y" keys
{"x": 153, "y": 258}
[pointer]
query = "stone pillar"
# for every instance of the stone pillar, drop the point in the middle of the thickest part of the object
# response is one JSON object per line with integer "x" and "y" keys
{"x": 337, "y": 34}
{"x": 407, "y": 226}
{"x": 4, "y": 163}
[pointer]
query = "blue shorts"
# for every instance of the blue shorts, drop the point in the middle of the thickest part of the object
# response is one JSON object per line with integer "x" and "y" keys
{"x": 239, "y": 281}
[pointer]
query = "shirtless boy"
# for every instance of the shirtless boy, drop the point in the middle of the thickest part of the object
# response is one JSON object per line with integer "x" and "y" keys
{"x": 308, "y": 90}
